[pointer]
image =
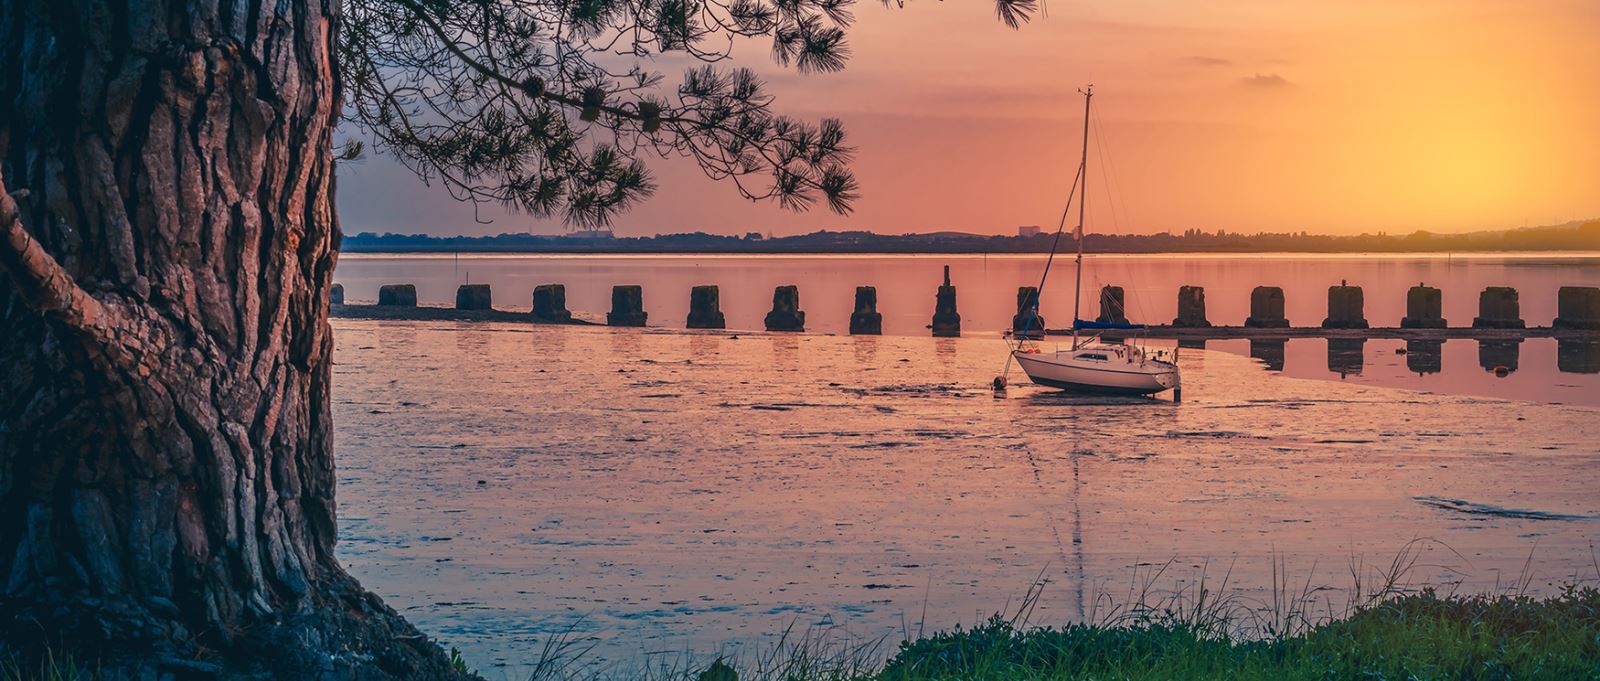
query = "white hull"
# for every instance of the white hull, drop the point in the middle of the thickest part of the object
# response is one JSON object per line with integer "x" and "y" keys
{"x": 1081, "y": 370}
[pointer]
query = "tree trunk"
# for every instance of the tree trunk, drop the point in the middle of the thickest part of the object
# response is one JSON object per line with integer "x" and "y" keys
{"x": 166, "y": 467}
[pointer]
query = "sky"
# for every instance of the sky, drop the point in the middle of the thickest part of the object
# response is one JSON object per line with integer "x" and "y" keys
{"x": 1330, "y": 116}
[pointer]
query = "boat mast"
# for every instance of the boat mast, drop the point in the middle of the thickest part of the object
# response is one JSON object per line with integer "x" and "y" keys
{"x": 1083, "y": 179}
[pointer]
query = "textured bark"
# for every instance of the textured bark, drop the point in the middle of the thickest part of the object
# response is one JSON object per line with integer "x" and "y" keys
{"x": 166, "y": 469}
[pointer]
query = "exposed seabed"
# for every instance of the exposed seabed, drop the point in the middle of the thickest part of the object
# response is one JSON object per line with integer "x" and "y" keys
{"x": 662, "y": 490}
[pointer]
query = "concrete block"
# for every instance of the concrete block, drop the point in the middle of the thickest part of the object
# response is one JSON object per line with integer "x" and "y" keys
{"x": 627, "y": 306}
{"x": 1577, "y": 307}
{"x": 1191, "y": 308}
{"x": 866, "y": 320}
{"x": 1346, "y": 308}
{"x": 1266, "y": 309}
{"x": 1027, "y": 322}
{"x": 550, "y": 304}
{"x": 1424, "y": 308}
{"x": 705, "y": 308}
{"x": 474, "y": 297}
{"x": 786, "y": 314}
{"x": 1113, "y": 309}
{"x": 398, "y": 295}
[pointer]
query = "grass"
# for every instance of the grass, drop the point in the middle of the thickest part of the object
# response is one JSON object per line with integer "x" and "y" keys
{"x": 48, "y": 668}
{"x": 1418, "y": 636}
{"x": 1382, "y": 629}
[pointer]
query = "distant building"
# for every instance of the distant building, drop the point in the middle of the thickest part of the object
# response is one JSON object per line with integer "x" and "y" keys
{"x": 591, "y": 235}
{"x": 753, "y": 236}
{"x": 1028, "y": 230}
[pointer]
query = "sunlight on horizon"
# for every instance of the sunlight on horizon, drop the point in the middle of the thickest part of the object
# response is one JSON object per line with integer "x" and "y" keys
{"x": 1247, "y": 115}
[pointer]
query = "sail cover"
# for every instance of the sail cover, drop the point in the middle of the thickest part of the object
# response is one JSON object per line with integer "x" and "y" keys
{"x": 1086, "y": 324}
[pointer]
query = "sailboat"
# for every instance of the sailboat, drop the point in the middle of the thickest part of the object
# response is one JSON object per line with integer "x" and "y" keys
{"x": 1091, "y": 364}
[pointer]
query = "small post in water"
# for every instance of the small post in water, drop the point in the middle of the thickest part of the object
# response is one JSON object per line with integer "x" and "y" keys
{"x": 946, "y": 321}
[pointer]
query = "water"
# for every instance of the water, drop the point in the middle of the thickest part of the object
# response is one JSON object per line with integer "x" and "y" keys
{"x": 658, "y": 490}
{"x": 986, "y": 285}
{"x": 1542, "y": 369}
{"x": 1535, "y": 369}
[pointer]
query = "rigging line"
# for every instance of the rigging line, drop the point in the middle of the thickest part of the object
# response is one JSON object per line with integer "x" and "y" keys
{"x": 1112, "y": 188}
{"x": 1005, "y": 373}
{"x": 1113, "y": 197}
{"x": 1111, "y": 202}
{"x": 1065, "y": 211}
{"x": 1038, "y": 293}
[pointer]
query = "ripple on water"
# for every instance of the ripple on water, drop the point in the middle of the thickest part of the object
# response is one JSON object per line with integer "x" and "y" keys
{"x": 819, "y": 490}
{"x": 1473, "y": 508}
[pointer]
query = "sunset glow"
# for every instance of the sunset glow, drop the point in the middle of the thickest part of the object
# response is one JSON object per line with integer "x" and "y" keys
{"x": 1246, "y": 115}
{"x": 814, "y": 340}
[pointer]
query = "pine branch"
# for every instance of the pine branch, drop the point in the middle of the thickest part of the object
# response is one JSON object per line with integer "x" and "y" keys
{"x": 551, "y": 106}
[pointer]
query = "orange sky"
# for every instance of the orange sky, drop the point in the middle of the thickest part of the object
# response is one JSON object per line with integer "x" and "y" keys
{"x": 1339, "y": 117}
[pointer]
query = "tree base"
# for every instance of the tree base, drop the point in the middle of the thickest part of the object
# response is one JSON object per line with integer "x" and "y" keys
{"x": 350, "y": 634}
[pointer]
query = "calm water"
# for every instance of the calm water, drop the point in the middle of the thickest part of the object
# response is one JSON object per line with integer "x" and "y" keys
{"x": 986, "y": 285}
{"x": 659, "y": 490}
{"x": 1542, "y": 370}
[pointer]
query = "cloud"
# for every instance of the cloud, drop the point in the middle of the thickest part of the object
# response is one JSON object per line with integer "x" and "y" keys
{"x": 1266, "y": 81}
{"x": 1202, "y": 60}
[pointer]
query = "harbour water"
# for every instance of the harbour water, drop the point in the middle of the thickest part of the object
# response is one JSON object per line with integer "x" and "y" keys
{"x": 653, "y": 491}
{"x": 987, "y": 284}
{"x": 1536, "y": 369}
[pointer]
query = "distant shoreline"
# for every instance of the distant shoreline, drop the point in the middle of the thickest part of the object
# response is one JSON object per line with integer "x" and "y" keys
{"x": 1586, "y": 252}
{"x": 1561, "y": 238}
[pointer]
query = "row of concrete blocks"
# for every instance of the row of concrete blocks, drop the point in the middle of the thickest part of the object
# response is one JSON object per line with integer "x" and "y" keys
{"x": 1498, "y": 307}
{"x": 1578, "y": 307}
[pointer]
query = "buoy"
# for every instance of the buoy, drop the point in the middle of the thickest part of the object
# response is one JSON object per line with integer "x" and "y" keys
{"x": 999, "y": 385}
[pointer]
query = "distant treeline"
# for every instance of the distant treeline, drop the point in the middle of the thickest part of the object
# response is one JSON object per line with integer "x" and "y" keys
{"x": 1572, "y": 236}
